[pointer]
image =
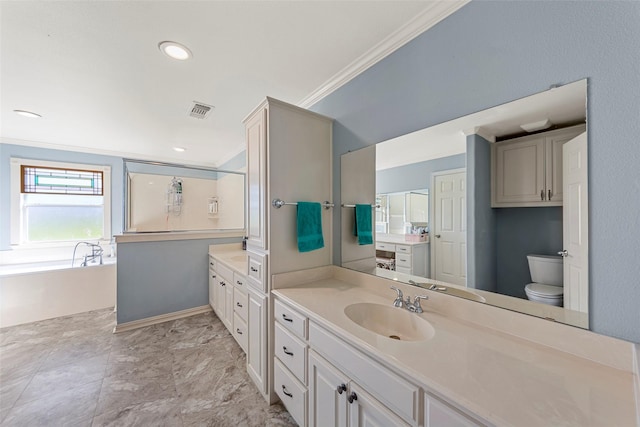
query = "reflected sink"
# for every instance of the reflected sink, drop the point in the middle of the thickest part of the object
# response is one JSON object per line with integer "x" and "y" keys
{"x": 391, "y": 322}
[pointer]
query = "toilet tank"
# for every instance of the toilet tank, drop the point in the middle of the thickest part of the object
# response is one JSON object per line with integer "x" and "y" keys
{"x": 546, "y": 269}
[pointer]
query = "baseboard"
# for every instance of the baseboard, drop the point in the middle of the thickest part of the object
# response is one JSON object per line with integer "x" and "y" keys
{"x": 141, "y": 323}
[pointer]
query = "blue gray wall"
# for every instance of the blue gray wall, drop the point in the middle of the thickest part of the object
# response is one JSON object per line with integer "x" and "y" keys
{"x": 415, "y": 176}
{"x": 236, "y": 163}
{"x": 7, "y": 151}
{"x": 481, "y": 221}
{"x": 492, "y": 52}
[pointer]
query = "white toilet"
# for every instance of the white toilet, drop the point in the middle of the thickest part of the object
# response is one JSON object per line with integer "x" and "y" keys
{"x": 546, "y": 273}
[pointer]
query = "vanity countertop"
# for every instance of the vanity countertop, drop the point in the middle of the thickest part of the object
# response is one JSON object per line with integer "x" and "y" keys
{"x": 501, "y": 378}
{"x": 398, "y": 239}
{"x": 236, "y": 259}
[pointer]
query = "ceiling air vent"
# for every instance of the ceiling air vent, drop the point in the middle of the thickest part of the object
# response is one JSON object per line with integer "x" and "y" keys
{"x": 200, "y": 110}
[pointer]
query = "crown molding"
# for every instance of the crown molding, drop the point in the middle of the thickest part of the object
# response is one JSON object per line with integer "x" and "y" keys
{"x": 430, "y": 16}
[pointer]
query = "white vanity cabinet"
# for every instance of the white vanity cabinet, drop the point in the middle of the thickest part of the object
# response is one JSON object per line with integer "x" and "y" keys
{"x": 527, "y": 171}
{"x": 410, "y": 257}
{"x": 285, "y": 144}
{"x": 212, "y": 282}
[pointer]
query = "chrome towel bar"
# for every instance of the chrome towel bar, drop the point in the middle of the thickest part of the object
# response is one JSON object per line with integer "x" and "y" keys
{"x": 278, "y": 203}
{"x": 353, "y": 206}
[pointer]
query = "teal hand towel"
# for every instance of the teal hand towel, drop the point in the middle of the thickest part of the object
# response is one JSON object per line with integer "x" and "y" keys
{"x": 363, "y": 225}
{"x": 309, "y": 227}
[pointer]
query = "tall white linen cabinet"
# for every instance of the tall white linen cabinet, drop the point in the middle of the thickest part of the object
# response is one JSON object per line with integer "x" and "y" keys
{"x": 289, "y": 157}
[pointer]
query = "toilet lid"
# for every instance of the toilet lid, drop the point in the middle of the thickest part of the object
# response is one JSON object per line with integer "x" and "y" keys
{"x": 545, "y": 290}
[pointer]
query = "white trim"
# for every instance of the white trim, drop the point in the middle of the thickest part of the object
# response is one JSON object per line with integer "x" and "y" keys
{"x": 149, "y": 321}
{"x": 430, "y": 16}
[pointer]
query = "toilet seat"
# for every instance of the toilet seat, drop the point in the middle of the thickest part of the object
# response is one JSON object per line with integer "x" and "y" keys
{"x": 545, "y": 291}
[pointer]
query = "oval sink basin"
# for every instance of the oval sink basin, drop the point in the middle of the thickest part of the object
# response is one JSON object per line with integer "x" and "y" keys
{"x": 391, "y": 322}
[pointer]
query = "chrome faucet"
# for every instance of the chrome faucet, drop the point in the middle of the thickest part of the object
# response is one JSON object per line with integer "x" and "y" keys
{"x": 96, "y": 253}
{"x": 413, "y": 307}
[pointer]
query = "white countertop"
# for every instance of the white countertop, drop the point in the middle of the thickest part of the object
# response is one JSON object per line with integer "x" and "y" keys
{"x": 503, "y": 379}
{"x": 397, "y": 239}
{"x": 236, "y": 259}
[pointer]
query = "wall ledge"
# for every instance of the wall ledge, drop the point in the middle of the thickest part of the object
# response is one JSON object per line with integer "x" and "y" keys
{"x": 177, "y": 235}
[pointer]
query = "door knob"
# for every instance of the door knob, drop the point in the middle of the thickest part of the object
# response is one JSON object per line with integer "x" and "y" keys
{"x": 563, "y": 253}
{"x": 437, "y": 236}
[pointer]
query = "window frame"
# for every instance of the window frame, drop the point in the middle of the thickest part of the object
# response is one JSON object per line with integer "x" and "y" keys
{"x": 16, "y": 181}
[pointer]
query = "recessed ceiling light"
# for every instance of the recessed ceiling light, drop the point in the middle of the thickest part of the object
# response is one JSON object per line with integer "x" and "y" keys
{"x": 175, "y": 50}
{"x": 27, "y": 114}
{"x": 179, "y": 149}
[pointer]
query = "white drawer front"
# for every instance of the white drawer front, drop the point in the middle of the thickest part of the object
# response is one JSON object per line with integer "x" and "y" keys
{"x": 292, "y": 394}
{"x": 292, "y": 352}
{"x": 257, "y": 271}
{"x": 240, "y": 304}
{"x": 403, "y": 260}
{"x": 240, "y": 332}
{"x": 386, "y": 247}
{"x": 403, "y": 249}
{"x": 240, "y": 281}
{"x": 290, "y": 319}
{"x": 225, "y": 272}
{"x": 399, "y": 395}
{"x": 212, "y": 263}
{"x": 403, "y": 270}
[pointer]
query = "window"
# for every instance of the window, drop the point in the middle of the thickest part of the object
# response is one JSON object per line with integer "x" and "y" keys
{"x": 57, "y": 202}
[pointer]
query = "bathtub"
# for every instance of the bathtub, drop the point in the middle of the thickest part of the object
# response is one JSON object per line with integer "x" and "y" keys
{"x": 38, "y": 291}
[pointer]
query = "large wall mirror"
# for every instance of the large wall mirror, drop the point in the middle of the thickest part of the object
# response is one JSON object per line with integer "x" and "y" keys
{"x": 506, "y": 193}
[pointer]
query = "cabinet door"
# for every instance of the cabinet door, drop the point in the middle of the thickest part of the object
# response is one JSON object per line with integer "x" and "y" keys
{"x": 212, "y": 288}
{"x": 257, "y": 348}
{"x": 554, "y": 162}
{"x": 439, "y": 414}
{"x": 256, "y": 179}
{"x": 365, "y": 411}
{"x": 327, "y": 394}
{"x": 221, "y": 297}
{"x": 228, "y": 306}
{"x": 519, "y": 171}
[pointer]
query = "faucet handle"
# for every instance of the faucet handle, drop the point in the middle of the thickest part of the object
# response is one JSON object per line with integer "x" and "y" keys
{"x": 398, "y": 291}
{"x": 398, "y": 301}
{"x": 416, "y": 303}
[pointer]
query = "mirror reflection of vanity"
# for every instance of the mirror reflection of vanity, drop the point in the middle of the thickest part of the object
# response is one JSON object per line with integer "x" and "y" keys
{"x": 509, "y": 203}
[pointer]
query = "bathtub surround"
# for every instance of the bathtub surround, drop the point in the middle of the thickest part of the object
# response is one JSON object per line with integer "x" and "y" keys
{"x": 517, "y": 49}
{"x": 74, "y": 371}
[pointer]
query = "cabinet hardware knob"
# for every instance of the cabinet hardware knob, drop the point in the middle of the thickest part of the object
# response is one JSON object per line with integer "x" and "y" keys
{"x": 541, "y": 194}
{"x": 239, "y": 282}
{"x": 563, "y": 253}
{"x": 342, "y": 388}
{"x": 255, "y": 270}
{"x": 213, "y": 276}
{"x": 437, "y": 236}
{"x": 239, "y": 305}
{"x": 353, "y": 396}
{"x": 284, "y": 390}
{"x": 549, "y": 195}
{"x": 238, "y": 331}
{"x": 287, "y": 352}
{"x": 223, "y": 284}
{"x": 284, "y": 316}
{"x": 210, "y": 263}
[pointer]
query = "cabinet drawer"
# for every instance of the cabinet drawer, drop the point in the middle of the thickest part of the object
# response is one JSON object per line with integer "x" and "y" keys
{"x": 257, "y": 274}
{"x": 385, "y": 247}
{"x": 437, "y": 413}
{"x": 403, "y": 260}
{"x": 240, "y": 303}
{"x": 240, "y": 332}
{"x": 290, "y": 319}
{"x": 403, "y": 249}
{"x": 212, "y": 263}
{"x": 291, "y": 392}
{"x": 394, "y": 392}
{"x": 240, "y": 281}
{"x": 291, "y": 352}
{"x": 403, "y": 270}
{"x": 225, "y": 272}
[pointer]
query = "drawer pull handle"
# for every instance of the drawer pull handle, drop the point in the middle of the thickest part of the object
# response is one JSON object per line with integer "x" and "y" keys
{"x": 239, "y": 282}
{"x": 284, "y": 316}
{"x": 210, "y": 263}
{"x": 239, "y": 305}
{"x": 342, "y": 388}
{"x": 238, "y": 331}
{"x": 284, "y": 390}
{"x": 353, "y": 396}
{"x": 549, "y": 195}
{"x": 255, "y": 270}
{"x": 223, "y": 284}
{"x": 287, "y": 352}
{"x": 213, "y": 276}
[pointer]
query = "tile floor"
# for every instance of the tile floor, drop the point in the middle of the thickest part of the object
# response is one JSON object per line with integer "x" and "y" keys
{"x": 73, "y": 371}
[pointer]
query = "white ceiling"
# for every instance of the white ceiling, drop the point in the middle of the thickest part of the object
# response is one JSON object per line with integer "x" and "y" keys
{"x": 93, "y": 70}
{"x": 561, "y": 106}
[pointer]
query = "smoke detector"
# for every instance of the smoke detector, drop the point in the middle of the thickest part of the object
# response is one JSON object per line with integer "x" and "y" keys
{"x": 200, "y": 110}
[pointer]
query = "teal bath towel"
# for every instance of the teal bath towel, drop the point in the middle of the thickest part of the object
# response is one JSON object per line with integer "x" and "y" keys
{"x": 362, "y": 227}
{"x": 309, "y": 227}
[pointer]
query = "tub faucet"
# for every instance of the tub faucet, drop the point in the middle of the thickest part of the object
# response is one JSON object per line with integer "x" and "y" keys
{"x": 96, "y": 253}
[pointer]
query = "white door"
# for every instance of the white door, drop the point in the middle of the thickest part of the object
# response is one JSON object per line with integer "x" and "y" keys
{"x": 449, "y": 233}
{"x": 575, "y": 224}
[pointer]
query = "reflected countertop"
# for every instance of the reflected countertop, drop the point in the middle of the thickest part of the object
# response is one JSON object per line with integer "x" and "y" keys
{"x": 502, "y": 379}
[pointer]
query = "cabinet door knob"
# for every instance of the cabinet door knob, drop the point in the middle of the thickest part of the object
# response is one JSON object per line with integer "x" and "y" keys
{"x": 342, "y": 388}
{"x": 353, "y": 396}
{"x": 255, "y": 270}
{"x": 239, "y": 305}
{"x": 239, "y": 282}
{"x": 223, "y": 284}
{"x": 437, "y": 236}
{"x": 563, "y": 253}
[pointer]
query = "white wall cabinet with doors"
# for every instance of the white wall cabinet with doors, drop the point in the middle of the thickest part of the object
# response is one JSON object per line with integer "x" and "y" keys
{"x": 527, "y": 171}
{"x": 285, "y": 144}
